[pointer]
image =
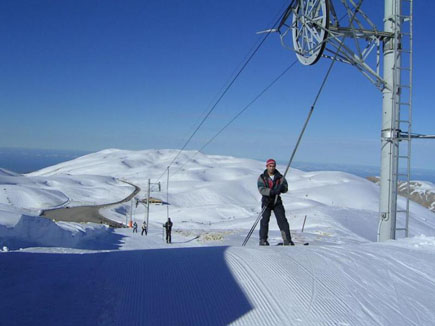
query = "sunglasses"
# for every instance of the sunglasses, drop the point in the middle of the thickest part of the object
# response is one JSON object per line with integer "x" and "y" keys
{"x": 271, "y": 165}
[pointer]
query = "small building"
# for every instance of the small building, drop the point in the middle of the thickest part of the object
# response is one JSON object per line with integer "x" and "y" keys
{"x": 153, "y": 200}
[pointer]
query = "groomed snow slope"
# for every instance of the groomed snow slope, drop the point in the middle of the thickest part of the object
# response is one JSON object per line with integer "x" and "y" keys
{"x": 205, "y": 277}
{"x": 365, "y": 284}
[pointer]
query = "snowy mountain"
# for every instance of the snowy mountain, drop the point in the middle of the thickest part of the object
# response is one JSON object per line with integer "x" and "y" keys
{"x": 94, "y": 275}
{"x": 221, "y": 192}
{"x": 422, "y": 192}
{"x": 31, "y": 193}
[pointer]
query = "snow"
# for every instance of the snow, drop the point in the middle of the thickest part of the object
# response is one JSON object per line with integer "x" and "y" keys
{"x": 35, "y": 192}
{"x": 364, "y": 284}
{"x": 35, "y": 231}
{"x": 94, "y": 274}
{"x": 424, "y": 186}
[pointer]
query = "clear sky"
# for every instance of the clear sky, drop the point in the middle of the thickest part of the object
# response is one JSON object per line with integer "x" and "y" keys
{"x": 90, "y": 75}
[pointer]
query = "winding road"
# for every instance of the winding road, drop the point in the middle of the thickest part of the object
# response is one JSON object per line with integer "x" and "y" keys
{"x": 83, "y": 214}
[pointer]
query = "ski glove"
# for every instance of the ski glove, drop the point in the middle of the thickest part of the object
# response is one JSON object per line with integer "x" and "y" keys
{"x": 275, "y": 192}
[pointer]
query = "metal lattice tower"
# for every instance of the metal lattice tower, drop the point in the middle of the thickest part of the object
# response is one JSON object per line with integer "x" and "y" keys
{"x": 317, "y": 31}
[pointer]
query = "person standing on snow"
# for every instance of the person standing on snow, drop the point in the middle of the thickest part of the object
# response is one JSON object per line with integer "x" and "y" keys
{"x": 270, "y": 185}
{"x": 134, "y": 227}
{"x": 144, "y": 228}
{"x": 168, "y": 228}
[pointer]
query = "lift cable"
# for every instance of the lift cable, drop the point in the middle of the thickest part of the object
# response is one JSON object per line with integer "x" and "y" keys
{"x": 304, "y": 127}
{"x": 246, "y": 107}
{"x": 222, "y": 95}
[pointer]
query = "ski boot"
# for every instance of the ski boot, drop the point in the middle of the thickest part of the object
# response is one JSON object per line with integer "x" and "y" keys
{"x": 286, "y": 241}
{"x": 263, "y": 242}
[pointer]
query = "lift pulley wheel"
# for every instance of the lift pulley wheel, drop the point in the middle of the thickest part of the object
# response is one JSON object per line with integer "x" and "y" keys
{"x": 309, "y": 28}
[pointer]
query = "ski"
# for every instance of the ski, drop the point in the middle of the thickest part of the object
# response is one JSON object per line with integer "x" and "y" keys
{"x": 296, "y": 243}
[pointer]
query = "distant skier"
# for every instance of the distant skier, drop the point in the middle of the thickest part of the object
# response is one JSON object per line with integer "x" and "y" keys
{"x": 271, "y": 184}
{"x": 134, "y": 227}
{"x": 168, "y": 228}
{"x": 144, "y": 228}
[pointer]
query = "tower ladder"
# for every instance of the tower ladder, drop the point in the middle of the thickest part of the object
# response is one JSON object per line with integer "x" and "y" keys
{"x": 403, "y": 102}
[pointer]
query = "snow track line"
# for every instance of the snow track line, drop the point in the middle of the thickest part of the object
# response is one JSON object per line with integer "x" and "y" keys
{"x": 259, "y": 292}
{"x": 398, "y": 306}
{"x": 296, "y": 293}
{"x": 344, "y": 309}
{"x": 326, "y": 307}
{"x": 366, "y": 312}
{"x": 392, "y": 276}
{"x": 395, "y": 307}
{"x": 247, "y": 281}
{"x": 297, "y": 300}
{"x": 337, "y": 292}
{"x": 416, "y": 271}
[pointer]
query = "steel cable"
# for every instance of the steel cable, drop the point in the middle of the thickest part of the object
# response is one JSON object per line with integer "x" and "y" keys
{"x": 246, "y": 107}
{"x": 223, "y": 94}
{"x": 325, "y": 78}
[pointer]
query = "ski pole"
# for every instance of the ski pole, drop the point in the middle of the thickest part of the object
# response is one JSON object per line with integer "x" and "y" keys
{"x": 256, "y": 221}
{"x": 254, "y": 226}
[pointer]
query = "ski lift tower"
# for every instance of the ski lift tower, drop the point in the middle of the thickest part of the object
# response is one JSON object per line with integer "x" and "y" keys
{"x": 348, "y": 35}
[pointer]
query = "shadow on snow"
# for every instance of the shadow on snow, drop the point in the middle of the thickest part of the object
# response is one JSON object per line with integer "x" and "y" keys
{"x": 186, "y": 286}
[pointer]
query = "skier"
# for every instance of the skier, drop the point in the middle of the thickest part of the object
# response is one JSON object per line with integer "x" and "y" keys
{"x": 134, "y": 227}
{"x": 144, "y": 228}
{"x": 168, "y": 228}
{"x": 271, "y": 184}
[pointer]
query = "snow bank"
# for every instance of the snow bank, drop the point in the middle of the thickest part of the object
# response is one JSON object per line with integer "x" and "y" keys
{"x": 35, "y": 231}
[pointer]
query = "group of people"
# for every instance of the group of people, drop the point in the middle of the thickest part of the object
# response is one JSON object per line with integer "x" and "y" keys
{"x": 167, "y": 226}
{"x": 271, "y": 184}
{"x": 144, "y": 228}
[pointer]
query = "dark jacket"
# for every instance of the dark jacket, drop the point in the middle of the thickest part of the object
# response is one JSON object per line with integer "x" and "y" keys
{"x": 168, "y": 226}
{"x": 265, "y": 185}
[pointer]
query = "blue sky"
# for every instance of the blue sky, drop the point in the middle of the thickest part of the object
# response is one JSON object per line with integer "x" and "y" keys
{"x": 89, "y": 75}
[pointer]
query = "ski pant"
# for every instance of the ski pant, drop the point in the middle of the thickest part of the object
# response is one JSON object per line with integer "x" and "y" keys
{"x": 168, "y": 237}
{"x": 144, "y": 231}
{"x": 283, "y": 225}
{"x": 134, "y": 230}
